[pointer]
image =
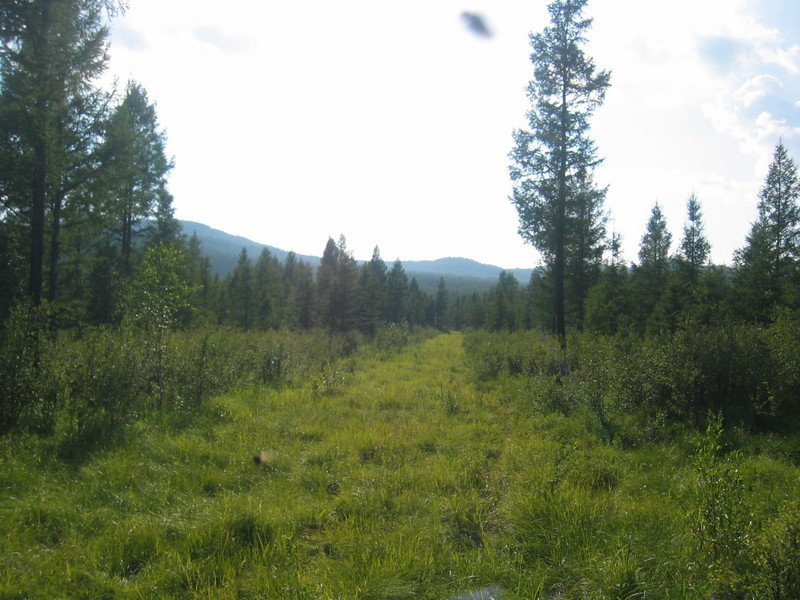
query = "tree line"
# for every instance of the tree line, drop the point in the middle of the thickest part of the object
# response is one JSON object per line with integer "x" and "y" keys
{"x": 83, "y": 170}
{"x": 86, "y": 219}
{"x": 561, "y": 213}
{"x": 673, "y": 285}
{"x": 338, "y": 294}
{"x": 87, "y": 226}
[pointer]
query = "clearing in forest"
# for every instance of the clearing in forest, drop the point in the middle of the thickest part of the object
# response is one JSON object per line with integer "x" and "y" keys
{"x": 387, "y": 475}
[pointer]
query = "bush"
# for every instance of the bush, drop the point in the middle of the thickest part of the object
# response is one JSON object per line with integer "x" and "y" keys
{"x": 658, "y": 383}
{"x": 87, "y": 388}
{"x": 27, "y": 399}
{"x": 777, "y": 556}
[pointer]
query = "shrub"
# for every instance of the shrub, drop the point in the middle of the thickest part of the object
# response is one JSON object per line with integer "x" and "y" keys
{"x": 777, "y": 555}
{"x": 28, "y": 396}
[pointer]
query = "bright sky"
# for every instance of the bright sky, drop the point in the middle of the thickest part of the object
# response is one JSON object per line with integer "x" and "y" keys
{"x": 292, "y": 122}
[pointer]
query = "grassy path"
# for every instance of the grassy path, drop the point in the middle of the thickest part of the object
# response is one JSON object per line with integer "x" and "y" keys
{"x": 371, "y": 485}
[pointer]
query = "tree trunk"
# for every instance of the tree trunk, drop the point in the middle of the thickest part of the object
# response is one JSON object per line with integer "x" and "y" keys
{"x": 560, "y": 226}
{"x": 55, "y": 248}
{"x": 36, "y": 280}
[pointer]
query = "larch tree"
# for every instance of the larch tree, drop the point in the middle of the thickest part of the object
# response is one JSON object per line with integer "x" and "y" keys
{"x": 373, "y": 288}
{"x": 136, "y": 167}
{"x": 695, "y": 248}
{"x": 650, "y": 276}
{"x": 337, "y": 285}
{"x": 398, "y": 293}
{"x": 51, "y": 52}
{"x": 556, "y": 200}
{"x": 655, "y": 244}
{"x": 240, "y": 291}
{"x": 767, "y": 266}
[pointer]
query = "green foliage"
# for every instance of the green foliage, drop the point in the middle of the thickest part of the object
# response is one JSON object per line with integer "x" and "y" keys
{"x": 86, "y": 391}
{"x": 159, "y": 295}
{"x": 695, "y": 248}
{"x": 641, "y": 387}
{"x": 559, "y": 206}
{"x": 720, "y": 515}
{"x": 408, "y": 481}
{"x": 767, "y": 265}
{"x": 777, "y": 555}
{"x": 26, "y": 349}
{"x": 522, "y": 353}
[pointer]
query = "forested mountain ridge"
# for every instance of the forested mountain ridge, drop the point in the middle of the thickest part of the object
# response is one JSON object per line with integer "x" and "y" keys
{"x": 460, "y": 274}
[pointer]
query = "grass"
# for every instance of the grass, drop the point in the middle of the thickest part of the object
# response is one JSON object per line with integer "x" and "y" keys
{"x": 383, "y": 477}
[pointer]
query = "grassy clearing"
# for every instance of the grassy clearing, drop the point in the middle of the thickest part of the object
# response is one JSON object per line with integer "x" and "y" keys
{"x": 382, "y": 477}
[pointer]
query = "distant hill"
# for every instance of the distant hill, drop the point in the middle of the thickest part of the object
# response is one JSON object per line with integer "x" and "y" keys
{"x": 464, "y": 267}
{"x": 223, "y": 249}
{"x": 461, "y": 275}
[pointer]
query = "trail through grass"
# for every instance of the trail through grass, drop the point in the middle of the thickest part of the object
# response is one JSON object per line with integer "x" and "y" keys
{"x": 382, "y": 477}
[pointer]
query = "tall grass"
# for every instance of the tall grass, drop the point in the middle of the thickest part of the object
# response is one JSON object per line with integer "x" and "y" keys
{"x": 402, "y": 479}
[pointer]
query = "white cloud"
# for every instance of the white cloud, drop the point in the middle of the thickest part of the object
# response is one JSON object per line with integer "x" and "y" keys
{"x": 729, "y": 113}
{"x": 788, "y": 58}
{"x": 756, "y": 88}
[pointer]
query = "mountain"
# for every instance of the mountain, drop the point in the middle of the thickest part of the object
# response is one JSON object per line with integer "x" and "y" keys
{"x": 223, "y": 249}
{"x": 464, "y": 267}
{"x": 461, "y": 275}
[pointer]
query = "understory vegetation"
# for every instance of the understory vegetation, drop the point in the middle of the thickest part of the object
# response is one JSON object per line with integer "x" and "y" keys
{"x": 423, "y": 466}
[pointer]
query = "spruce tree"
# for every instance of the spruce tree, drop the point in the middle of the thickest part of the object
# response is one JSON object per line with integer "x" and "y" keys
{"x": 441, "y": 303}
{"x": 558, "y": 205}
{"x": 267, "y": 290}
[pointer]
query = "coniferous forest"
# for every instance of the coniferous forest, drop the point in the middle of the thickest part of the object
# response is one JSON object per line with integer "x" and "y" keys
{"x": 608, "y": 429}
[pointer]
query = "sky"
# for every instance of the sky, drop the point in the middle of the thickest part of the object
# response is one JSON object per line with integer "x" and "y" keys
{"x": 391, "y": 124}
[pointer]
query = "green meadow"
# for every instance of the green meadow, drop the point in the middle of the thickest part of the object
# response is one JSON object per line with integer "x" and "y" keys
{"x": 398, "y": 475}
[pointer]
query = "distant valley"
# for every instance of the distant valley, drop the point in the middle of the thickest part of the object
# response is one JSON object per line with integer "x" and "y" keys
{"x": 461, "y": 275}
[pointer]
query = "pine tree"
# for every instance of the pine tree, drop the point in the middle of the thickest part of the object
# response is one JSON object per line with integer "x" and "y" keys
{"x": 557, "y": 203}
